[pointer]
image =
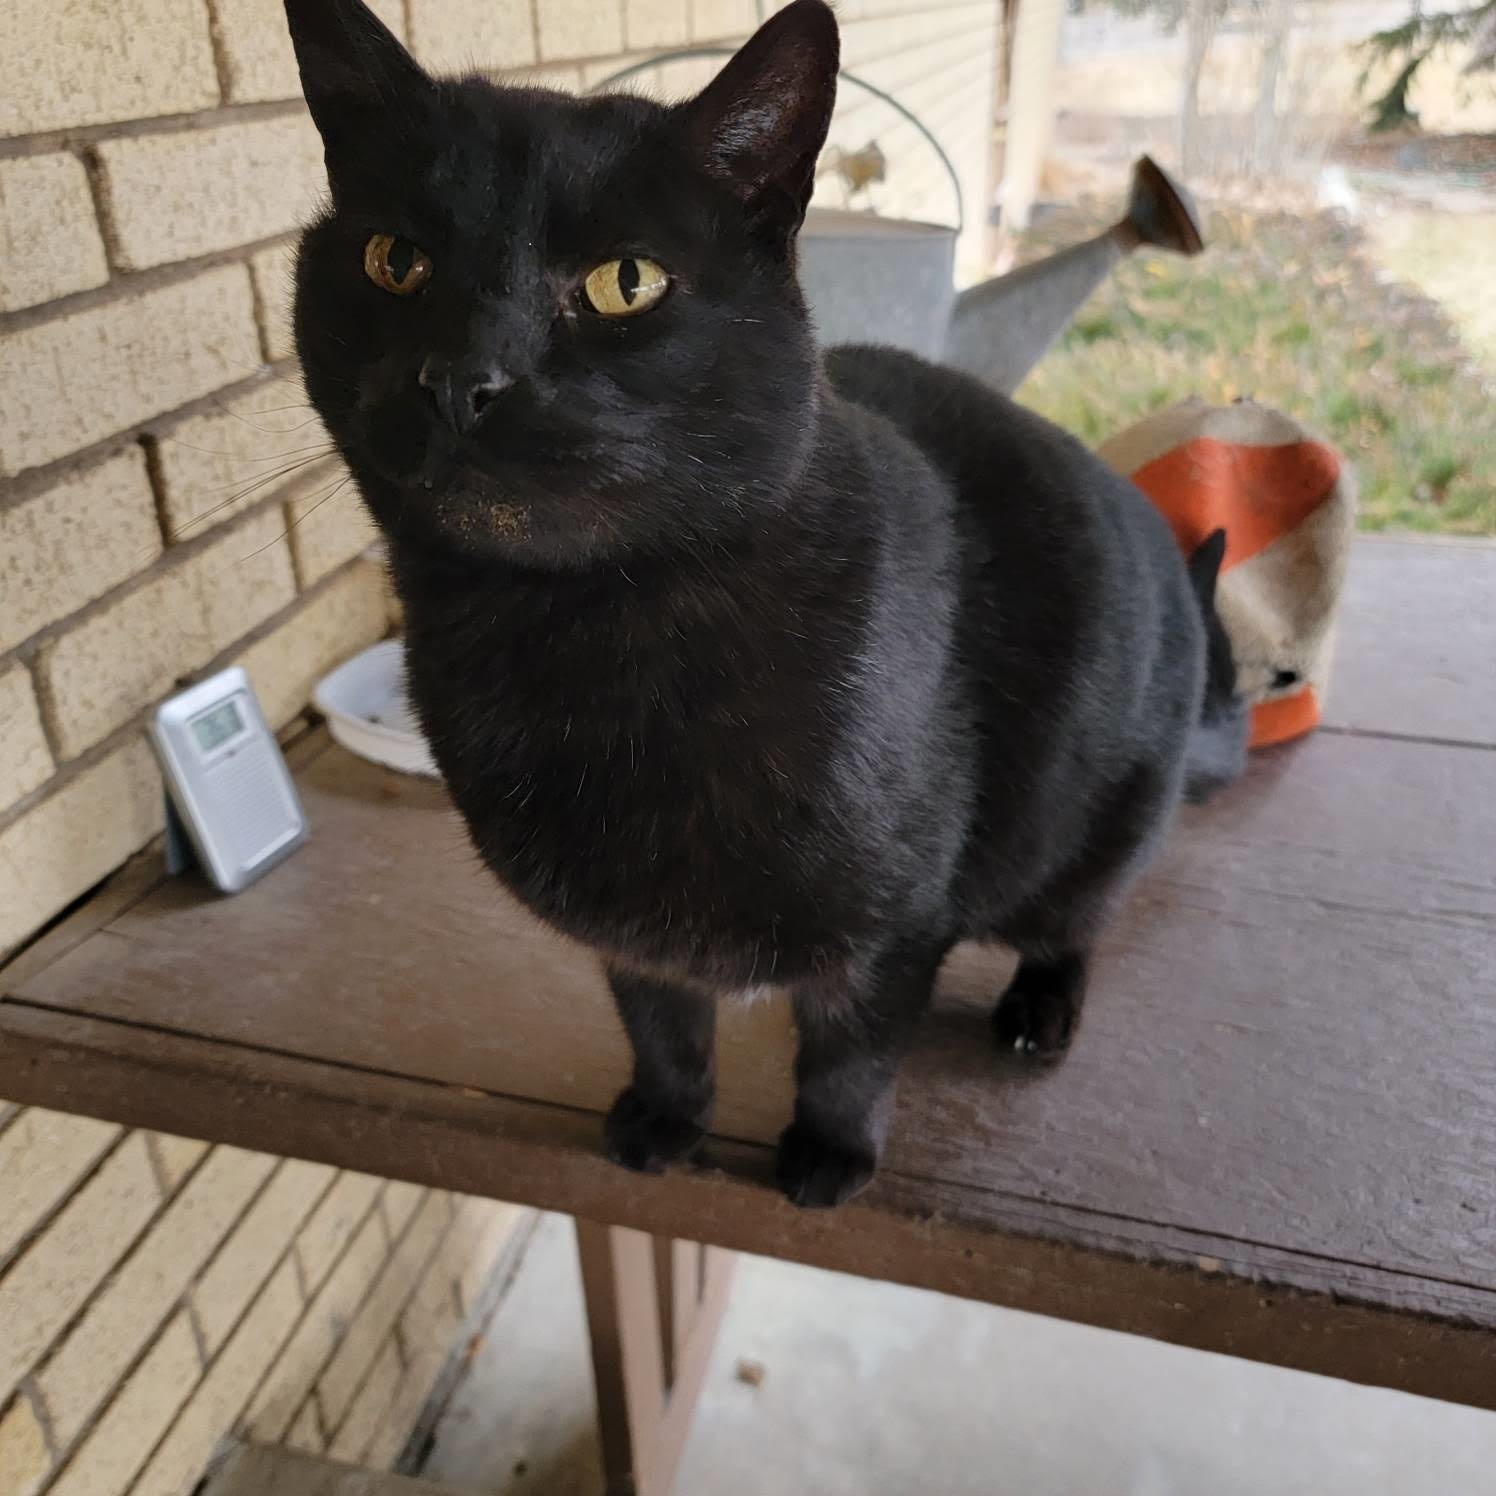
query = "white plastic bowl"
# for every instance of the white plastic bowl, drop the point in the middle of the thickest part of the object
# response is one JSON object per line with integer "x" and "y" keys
{"x": 368, "y": 712}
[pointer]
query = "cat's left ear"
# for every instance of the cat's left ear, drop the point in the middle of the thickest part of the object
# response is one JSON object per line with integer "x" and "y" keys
{"x": 354, "y": 71}
{"x": 759, "y": 125}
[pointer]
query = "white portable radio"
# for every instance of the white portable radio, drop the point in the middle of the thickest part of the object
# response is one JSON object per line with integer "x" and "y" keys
{"x": 227, "y": 781}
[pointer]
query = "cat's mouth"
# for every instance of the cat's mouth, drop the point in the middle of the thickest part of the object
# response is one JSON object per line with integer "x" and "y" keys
{"x": 519, "y": 495}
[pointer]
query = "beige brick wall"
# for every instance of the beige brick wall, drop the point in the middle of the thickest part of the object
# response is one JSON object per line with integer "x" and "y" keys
{"x": 167, "y": 506}
{"x": 149, "y": 1312}
{"x": 49, "y": 240}
{"x": 152, "y": 188}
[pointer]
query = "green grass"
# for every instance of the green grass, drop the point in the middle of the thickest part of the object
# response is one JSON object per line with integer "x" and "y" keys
{"x": 1290, "y": 311}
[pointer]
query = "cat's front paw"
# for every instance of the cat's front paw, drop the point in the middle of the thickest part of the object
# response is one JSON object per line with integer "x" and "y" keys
{"x": 818, "y": 1173}
{"x": 646, "y": 1138}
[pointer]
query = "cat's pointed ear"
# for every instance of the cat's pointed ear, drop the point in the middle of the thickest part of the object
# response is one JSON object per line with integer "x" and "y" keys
{"x": 1204, "y": 567}
{"x": 760, "y": 123}
{"x": 352, "y": 66}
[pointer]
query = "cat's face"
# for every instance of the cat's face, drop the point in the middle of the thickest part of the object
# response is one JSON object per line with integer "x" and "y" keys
{"x": 557, "y": 329}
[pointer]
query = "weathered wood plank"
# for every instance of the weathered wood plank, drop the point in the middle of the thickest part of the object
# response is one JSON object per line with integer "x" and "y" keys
{"x": 1418, "y": 641}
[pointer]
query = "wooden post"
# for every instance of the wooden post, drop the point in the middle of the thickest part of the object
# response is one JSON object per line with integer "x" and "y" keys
{"x": 653, "y": 1308}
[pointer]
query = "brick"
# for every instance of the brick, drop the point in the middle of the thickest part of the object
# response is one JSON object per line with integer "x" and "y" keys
{"x": 399, "y": 1203}
{"x": 25, "y": 760}
{"x": 274, "y": 271}
{"x": 78, "y": 378}
{"x": 175, "y": 1157}
{"x": 215, "y": 1406}
{"x": 256, "y": 47}
{"x": 258, "y": 1242}
{"x": 73, "y": 542}
{"x": 119, "y": 1443}
{"x": 346, "y": 616}
{"x": 24, "y": 1461}
{"x": 417, "y": 1382}
{"x": 49, "y": 237}
{"x": 128, "y": 1311}
{"x": 245, "y": 578}
{"x": 85, "y": 64}
{"x": 186, "y": 193}
{"x": 322, "y": 1326}
{"x": 176, "y": 621}
{"x": 488, "y": 1226}
{"x": 328, "y": 522}
{"x": 669, "y": 80}
{"x": 235, "y": 455}
{"x": 57, "y": 1273}
{"x": 427, "y": 1330}
{"x": 595, "y": 74}
{"x": 42, "y": 1156}
{"x": 369, "y": 1407}
{"x": 77, "y": 836}
{"x": 376, "y": 1318}
{"x": 650, "y": 24}
{"x": 683, "y": 79}
{"x": 99, "y": 674}
{"x": 567, "y": 78}
{"x": 333, "y": 1224}
{"x": 722, "y": 20}
{"x": 458, "y": 35}
{"x": 430, "y": 1317}
{"x": 305, "y": 1434}
{"x": 579, "y": 28}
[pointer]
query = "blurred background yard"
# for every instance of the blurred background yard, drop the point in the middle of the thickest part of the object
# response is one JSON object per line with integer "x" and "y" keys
{"x": 1350, "y": 275}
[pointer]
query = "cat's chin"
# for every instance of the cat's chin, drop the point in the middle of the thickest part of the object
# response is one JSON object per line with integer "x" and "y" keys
{"x": 520, "y": 521}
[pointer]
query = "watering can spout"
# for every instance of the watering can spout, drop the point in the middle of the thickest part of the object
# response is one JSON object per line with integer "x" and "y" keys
{"x": 1160, "y": 211}
{"x": 1001, "y": 328}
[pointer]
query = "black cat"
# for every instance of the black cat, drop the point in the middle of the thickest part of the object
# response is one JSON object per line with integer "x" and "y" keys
{"x": 741, "y": 669}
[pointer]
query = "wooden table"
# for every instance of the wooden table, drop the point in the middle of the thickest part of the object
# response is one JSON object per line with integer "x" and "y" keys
{"x": 1275, "y": 1137}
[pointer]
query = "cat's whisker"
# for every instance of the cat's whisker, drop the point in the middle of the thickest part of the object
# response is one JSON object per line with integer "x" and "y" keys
{"x": 305, "y": 514}
{"x": 176, "y": 441}
{"x": 284, "y": 473}
{"x": 265, "y": 480}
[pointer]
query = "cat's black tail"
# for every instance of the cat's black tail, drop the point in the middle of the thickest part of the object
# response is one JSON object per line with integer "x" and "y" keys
{"x": 1217, "y": 752}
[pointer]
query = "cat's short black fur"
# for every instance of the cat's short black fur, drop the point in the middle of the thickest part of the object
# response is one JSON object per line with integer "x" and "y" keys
{"x": 741, "y": 670}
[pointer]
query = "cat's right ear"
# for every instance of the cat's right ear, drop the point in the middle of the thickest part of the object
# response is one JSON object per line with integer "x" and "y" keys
{"x": 354, "y": 70}
{"x": 1204, "y": 566}
{"x": 759, "y": 125}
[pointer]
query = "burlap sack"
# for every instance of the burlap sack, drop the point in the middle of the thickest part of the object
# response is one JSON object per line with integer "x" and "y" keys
{"x": 1287, "y": 503}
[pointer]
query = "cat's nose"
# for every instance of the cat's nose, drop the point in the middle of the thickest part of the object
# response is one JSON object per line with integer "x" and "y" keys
{"x": 463, "y": 389}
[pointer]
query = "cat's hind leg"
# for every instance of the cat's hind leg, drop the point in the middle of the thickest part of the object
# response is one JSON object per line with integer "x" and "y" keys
{"x": 1038, "y": 1013}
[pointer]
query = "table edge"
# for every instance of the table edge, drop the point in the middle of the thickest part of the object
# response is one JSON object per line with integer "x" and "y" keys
{"x": 1371, "y": 1325}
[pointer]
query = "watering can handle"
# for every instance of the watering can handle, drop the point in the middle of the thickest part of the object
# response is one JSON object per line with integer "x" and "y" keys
{"x": 686, "y": 53}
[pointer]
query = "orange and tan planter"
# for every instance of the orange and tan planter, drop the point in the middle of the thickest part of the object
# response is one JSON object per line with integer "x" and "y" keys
{"x": 1287, "y": 503}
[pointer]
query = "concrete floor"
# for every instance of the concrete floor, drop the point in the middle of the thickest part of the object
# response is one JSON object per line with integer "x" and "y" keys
{"x": 871, "y": 1389}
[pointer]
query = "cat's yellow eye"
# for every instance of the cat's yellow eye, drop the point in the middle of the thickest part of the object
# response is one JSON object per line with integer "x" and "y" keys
{"x": 624, "y": 288}
{"x": 396, "y": 265}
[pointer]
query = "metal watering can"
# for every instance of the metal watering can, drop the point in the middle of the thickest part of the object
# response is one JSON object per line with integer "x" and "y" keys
{"x": 892, "y": 281}
{"x": 998, "y": 329}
